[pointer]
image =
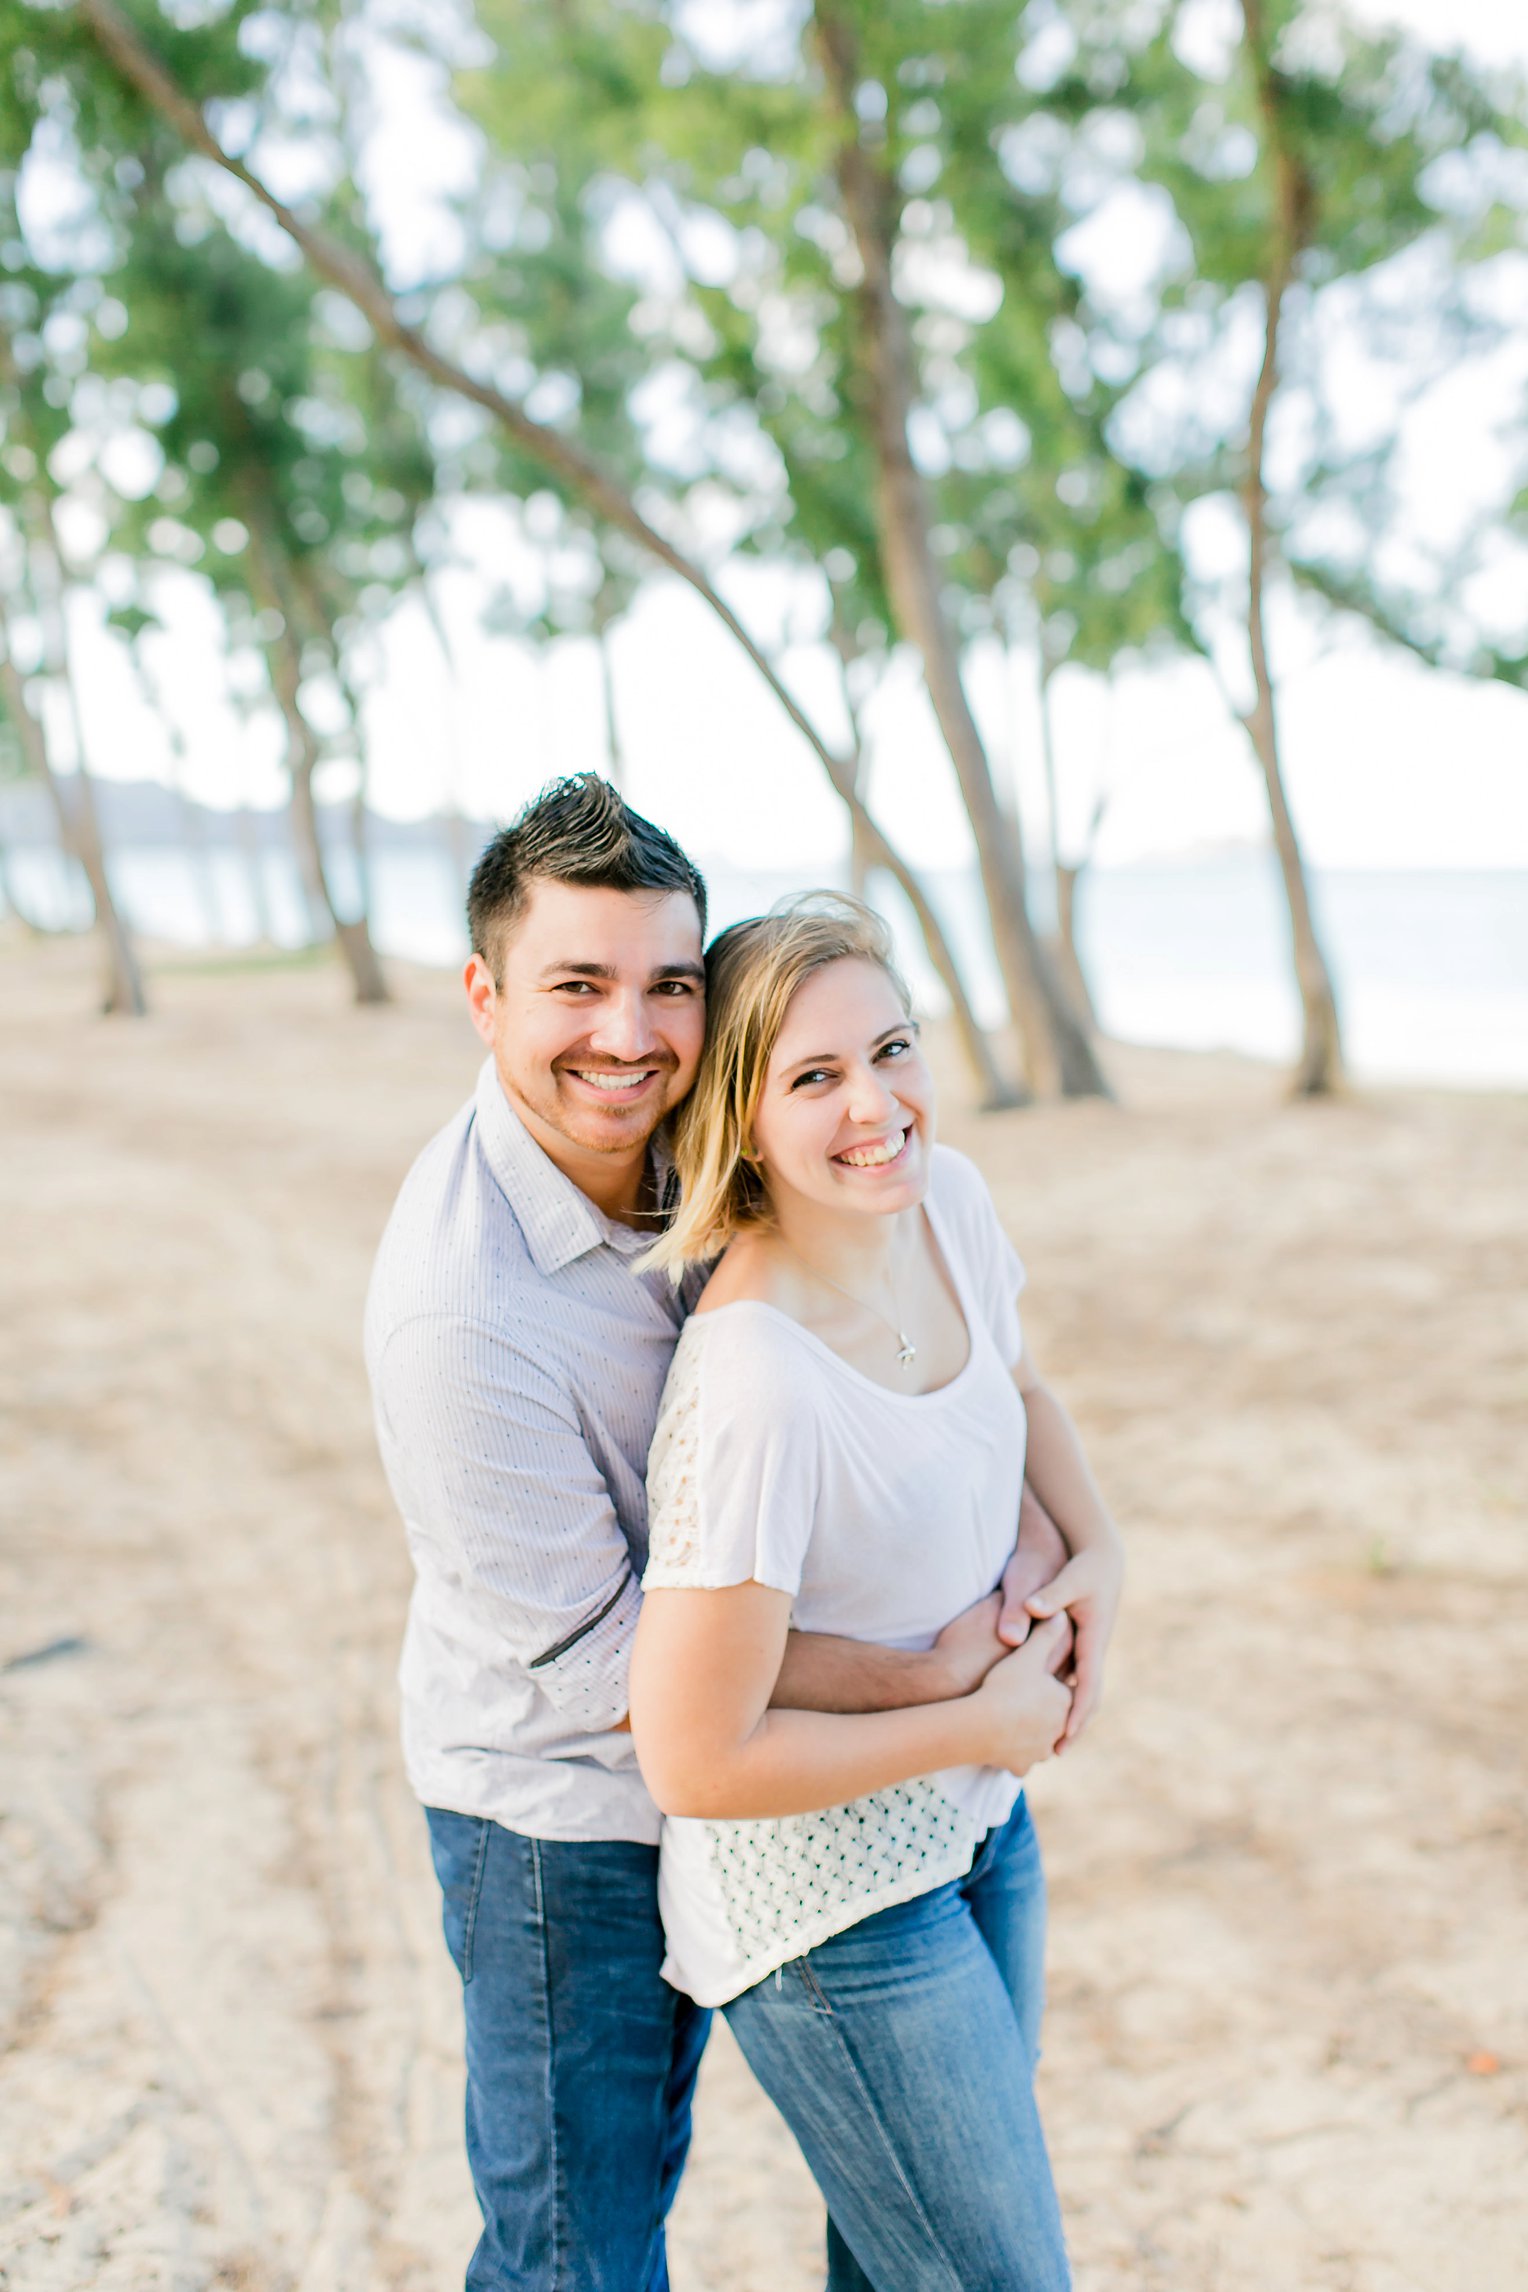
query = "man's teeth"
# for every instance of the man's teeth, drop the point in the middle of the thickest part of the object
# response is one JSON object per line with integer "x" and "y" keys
{"x": 871, "y": 1157}
{"x": 615, "y": 1082}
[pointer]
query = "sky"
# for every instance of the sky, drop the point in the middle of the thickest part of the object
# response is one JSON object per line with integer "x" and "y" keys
{"x": 1388, "y": 765}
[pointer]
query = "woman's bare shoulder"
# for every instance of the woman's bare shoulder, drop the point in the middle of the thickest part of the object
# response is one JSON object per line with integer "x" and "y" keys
{"x": 748, "y": 1271}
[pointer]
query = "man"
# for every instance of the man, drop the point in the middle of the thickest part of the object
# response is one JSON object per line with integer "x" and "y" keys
{"x": 517, "y": 1361}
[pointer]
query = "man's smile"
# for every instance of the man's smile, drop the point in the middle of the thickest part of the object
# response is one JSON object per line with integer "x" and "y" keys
{"x": 625, "y": 1083}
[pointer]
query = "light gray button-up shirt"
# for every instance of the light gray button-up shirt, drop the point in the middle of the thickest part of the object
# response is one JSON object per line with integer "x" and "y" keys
{"x": 516, "y": 1365}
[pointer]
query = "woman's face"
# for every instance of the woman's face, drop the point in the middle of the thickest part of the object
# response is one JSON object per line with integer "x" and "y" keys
{"x": 846, "y": 1119}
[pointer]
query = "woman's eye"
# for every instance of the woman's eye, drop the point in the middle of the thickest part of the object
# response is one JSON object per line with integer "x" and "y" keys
{"x": 813, "y": 1074}
{"x": 898, "y": 1049}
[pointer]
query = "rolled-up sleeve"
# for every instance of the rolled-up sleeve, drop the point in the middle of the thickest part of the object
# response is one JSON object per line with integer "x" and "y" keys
{"x": 503, "y": 1495}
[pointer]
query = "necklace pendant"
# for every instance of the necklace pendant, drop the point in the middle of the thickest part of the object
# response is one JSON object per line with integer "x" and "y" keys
{"x": 907, "y": 1351}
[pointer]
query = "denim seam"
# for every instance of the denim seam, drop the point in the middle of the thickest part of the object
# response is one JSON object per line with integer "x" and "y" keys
{"x": 875, "y": 2118}
{"x": 474, "y": 1897}
{"x": 558, "y": 2193}
{"x": 655, "y": 2238}
{"x": 816, "y": 1996}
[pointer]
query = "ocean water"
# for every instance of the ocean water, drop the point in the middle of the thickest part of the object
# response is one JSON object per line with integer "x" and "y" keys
{"x": 1431, "y": 967}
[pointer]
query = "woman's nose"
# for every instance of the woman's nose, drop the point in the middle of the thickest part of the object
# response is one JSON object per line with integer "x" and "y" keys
{"x": 870, "y": 1098}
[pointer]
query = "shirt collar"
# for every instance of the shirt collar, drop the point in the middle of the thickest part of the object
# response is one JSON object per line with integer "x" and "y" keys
{"x": 557, "y": 1218}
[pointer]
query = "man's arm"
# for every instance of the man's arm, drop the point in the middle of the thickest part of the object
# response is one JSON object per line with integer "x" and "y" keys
{"x": 495, "y": 1477}
{"x": 823, "y": 1673}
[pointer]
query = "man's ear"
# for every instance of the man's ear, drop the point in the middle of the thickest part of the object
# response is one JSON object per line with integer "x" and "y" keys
{"x": 482, "y": 997}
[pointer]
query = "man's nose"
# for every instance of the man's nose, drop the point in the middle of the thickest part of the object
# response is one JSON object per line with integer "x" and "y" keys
{"x": 625, "y": 1028}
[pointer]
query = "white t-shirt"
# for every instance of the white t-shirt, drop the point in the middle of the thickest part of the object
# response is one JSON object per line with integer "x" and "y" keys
{"x": 883, "y": 1514}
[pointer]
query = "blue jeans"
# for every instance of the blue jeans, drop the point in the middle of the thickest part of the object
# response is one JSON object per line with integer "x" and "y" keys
{"x": 901, "y": 2054}
{"x": 581, "y": 2060}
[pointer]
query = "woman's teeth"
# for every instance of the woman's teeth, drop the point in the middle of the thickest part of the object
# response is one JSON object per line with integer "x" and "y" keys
{"x": 873, "y": 1157}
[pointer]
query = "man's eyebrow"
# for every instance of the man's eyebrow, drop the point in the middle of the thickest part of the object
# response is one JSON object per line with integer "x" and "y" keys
{"x": 685, "y": 968}
{"x": 826, "y": 1058}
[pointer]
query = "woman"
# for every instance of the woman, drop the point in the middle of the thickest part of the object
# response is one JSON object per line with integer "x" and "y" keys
{"x": 842, "y": 1447}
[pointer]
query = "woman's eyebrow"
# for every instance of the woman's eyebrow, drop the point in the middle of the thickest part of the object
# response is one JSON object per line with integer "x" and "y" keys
{"x": 826, "y": 1058}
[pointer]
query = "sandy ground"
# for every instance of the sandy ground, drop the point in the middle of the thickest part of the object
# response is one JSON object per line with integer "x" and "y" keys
{"x": 1288, "y": 2041}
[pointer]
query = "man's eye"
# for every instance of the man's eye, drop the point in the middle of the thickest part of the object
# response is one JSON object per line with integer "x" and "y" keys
{"x": 675, "y": 987}
{"x": 574, "y": 987}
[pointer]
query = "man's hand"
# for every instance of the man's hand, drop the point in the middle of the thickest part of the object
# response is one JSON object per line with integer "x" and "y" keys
{"x": 1088, "y": 1590}
{"x": 966, "y": 1649}
{"x": 1039, "y": 1555}
{"x": 981, "y": 1635}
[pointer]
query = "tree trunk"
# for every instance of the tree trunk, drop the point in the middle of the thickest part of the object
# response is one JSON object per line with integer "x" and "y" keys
{"x": 79, "y": 824}
{"x": 252, "y": 845}
{"x": 17, "y": 906}
{"x": 868, "y": 848}
{"x": 269, "y": 581}
{"x": 360, "y": 837}
{"x": 79, "y": 831}
{"x": 360, "y": 813}
{"x": 615, "y": 763}
{"x": 859, "y": 851}
{"x": 453, "y": 818}
{"x": 1056, "y": 1048}
{"x": 193, "y": 823}
{"x": 1320, "y": 1065}
{"x": 994, "y": 1091}
{"x": 1068, "y": 963}
{"x": 353, "y": 278}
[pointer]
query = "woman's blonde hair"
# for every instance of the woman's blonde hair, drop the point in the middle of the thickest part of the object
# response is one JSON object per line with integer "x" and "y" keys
{"x": 754, "y": 970}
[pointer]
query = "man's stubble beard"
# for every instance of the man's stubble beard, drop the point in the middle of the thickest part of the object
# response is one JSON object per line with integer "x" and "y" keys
{"x": 559, "y": 1111}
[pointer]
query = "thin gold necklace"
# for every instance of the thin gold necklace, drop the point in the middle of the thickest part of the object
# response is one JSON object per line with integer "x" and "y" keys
{"x": 907, "y": 1351}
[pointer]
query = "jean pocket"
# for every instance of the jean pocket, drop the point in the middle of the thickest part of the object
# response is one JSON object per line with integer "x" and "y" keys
{"x": 459, "y": 1846}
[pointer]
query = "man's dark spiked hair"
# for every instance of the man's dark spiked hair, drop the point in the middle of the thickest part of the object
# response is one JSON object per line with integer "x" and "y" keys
{"x": 576, "y": 831}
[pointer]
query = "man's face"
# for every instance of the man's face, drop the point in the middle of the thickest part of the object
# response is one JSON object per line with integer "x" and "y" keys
{"x": 597, "y": 1021}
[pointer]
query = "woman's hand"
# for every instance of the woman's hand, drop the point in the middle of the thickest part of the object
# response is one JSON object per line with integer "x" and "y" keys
{"x": 1040, "y": 1553}
{"x": 1088, "y": 1590}
{"x": 1020, "y": 1710}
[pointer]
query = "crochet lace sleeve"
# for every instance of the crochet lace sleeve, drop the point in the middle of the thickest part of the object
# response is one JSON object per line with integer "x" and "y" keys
{"x": 674, "y": 1553}
{"x": 732, "y": 1480}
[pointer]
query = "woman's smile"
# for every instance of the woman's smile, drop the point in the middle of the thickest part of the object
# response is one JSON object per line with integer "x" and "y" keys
{"x": 876, "y": 1153}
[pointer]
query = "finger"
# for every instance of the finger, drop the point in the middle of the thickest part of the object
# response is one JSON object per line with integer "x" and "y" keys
{"x": 1088, "y": 1681}
{"x": 1060, "y": 1658}
{"x": 1048, "y": 1636}
{"x": 1014, "y": 1618}
{"x": 1063, "y": 1721}
{"x": 1069, "y": 1585}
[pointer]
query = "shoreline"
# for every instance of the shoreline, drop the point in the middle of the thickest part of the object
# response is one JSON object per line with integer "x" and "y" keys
{"x": 171, "y": 960}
